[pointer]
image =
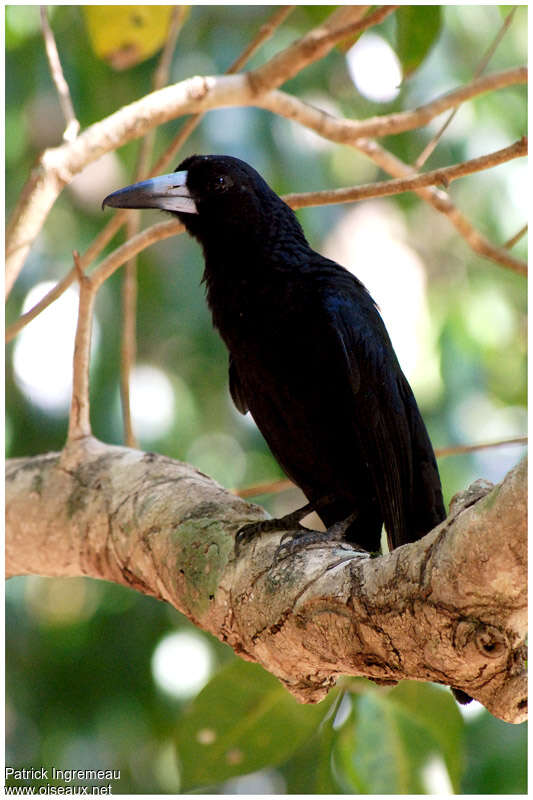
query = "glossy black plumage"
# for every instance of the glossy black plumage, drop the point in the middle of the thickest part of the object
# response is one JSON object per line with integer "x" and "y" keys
{"x": 310, "y": 358}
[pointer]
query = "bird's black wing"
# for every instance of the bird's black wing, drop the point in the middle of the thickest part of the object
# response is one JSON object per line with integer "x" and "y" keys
{"x": 235, "y": 388}
{"x": 326, "y": 390}
{"x": 386, "y": 424}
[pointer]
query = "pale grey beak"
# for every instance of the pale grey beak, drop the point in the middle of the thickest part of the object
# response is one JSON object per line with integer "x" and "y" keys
{"x": 166, "y": 192}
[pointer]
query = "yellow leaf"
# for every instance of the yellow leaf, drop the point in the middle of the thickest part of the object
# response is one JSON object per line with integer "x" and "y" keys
{"x": 125, "y": 35}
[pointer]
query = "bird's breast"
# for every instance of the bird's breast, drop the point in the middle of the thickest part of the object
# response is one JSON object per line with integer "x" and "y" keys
{"x": 251, "y": 313}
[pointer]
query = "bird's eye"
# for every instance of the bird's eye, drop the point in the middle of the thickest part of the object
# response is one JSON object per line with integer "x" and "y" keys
{"x": 222, "y": 182}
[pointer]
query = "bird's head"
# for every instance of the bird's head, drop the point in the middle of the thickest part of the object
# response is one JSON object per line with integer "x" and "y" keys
{"x": 216, "y": 197}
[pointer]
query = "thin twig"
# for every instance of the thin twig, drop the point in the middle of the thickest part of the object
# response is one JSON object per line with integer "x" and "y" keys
{"x": 268, "y": 487}
{"x": 442, "y": 202}
{"x": 79, "y": 420}
{"x": 312, "y": 47}
{"x": 72, "y": 124}
{"x": 264, "y": 33}
{"x": 128, "y": 348}
{"x": 160, "y": 79}
{"x": 103, "y": 238}
{"x": 472, "y": 448}
{"x": 128, "y": 343}
{"x": 442, "y": 176}
{"x": 162, "y": 71}
{"x": 284, "y": 484}
{"x": 516, "y": 238}
{"x": 156, "y": 233}
{"x": 429, "y": 148}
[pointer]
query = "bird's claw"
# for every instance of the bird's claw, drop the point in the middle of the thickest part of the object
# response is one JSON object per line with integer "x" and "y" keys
{"x": 289, "y": 523}
{"x": 248, "y": 532}
{"x": 293, "y": 541}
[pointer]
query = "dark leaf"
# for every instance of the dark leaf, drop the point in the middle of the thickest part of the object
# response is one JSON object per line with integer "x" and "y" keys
{"x": 417, "y": 30}
{"x": 393, "y": 736}
{"x": 243, "y": 720}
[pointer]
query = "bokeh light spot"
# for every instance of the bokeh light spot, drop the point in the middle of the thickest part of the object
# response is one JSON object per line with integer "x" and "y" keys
{"x": 435, "y": 777}
{"x": 182, "y": 664}
{"x": 42, "y": 356}
{"x": 152, "y": 401}
{"x": 369, "y": 240}
{"x": 61, "y": 601}
{"x": 374, "y": 68}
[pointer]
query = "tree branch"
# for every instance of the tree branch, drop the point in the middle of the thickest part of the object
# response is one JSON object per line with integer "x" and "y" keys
{"x": 343, "y": 22}
{"x": 264, "y": 33}
{"x": 441, "y": 202}
{"x": 431, "y": 145}
{"x": 282, "y": 484}
{"x": 516, "y": 238}
{"x": 57, "y": 166}
{"x": 72, "y": 124}
{"x": 449, "y": 608}
{"x": 128, "y": 344}
{"x": 103, "y": 238}
{"x": 79, "y": 418}
{"x": 442, "y": 175}
{"x": 347, "y": 131}
{"x": 128, "y": 339}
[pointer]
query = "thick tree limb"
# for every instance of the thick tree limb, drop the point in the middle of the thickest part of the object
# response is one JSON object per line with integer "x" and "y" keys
{"x": 450, "y": 608}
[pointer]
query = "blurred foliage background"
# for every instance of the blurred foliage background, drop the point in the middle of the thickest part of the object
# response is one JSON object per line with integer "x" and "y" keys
{"x": 101, "y": 677}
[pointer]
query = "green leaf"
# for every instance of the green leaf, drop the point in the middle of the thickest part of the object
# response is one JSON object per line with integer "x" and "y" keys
{"x": 437, "y": 712}
{"x": 243, "y": 720}
{"x": 309, "y": 770}
{"x": 497, "y": 757}
{"x": 417, "y": 30}
{"x": 317, "y": 14}
{"x": 392, "y": 737}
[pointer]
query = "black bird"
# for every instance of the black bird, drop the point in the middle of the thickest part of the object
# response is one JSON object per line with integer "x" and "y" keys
{"x": 309, "y": 355}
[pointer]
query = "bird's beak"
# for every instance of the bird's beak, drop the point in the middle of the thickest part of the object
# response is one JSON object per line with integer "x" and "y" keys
{"x": 166, "y": 192}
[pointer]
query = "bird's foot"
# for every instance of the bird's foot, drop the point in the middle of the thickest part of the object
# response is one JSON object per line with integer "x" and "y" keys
{"x": 287, "y": 523}
{"x": 291, "y": 542}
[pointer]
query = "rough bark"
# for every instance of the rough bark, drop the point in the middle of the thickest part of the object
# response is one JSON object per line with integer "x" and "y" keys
{"x": 449, "y": 608}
